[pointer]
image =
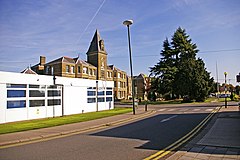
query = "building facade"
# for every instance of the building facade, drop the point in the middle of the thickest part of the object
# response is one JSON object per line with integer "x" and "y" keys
{"x": 142, "y": 84}
{"x": 32, "y": 96}
{"x": 120, "y": 83}
{"x": 95, "y": 68}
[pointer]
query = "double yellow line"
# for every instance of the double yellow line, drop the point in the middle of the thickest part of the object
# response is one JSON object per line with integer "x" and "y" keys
{"x": 75, "y": 132}
{"x": 184, "y": 139}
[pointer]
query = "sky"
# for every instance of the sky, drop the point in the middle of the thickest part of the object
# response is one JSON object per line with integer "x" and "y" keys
{"x": 55, "y": 28}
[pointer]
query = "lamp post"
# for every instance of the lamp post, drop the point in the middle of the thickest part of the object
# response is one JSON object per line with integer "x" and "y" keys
{"x": 128, "y": 23}
{"x": 225, "y": 74}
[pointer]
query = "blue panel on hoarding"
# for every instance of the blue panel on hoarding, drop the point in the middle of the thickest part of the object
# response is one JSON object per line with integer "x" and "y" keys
{"x": 16, "y": 93}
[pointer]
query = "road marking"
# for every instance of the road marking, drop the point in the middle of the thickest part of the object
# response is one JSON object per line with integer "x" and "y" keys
{"x": 167, "y": 119}
{"x": 171, "y": 110}
{"x": 162, "y": 109}
{"x": 184, "y": 139}
{"x": 196, "y": 110}
{"x": 208, "y": 109}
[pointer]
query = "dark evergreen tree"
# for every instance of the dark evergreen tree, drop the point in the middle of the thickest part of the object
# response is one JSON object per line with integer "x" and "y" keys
{"x": 164, "y": 71}
{"x": 179, "y": 71}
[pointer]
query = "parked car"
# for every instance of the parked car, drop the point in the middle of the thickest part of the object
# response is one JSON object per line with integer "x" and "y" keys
{"x": 223, "y": 95}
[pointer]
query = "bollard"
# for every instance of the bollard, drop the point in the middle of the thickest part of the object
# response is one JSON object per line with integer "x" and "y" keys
{"x": 146, "y": 106}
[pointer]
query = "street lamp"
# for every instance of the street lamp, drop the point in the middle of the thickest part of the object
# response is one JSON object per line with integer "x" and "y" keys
{"x": 128, "y": 23}
{"x": 225, "y": 74}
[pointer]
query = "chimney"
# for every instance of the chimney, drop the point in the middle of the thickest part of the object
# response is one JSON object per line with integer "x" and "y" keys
{"x": 42, "y": 60}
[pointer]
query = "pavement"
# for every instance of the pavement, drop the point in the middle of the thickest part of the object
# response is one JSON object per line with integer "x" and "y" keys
{"x": 219, "y": 140}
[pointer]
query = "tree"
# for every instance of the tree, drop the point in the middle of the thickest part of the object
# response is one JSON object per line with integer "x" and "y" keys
{"x": 237, "y": 90}
{"x": 179, "y": 71}
{"x": 164, "y": 71}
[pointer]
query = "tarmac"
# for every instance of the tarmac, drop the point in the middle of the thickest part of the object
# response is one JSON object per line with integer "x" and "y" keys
{"x": 219, "y": 140}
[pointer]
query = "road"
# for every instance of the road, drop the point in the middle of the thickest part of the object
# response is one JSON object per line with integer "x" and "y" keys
{"x": 134, "y": 140}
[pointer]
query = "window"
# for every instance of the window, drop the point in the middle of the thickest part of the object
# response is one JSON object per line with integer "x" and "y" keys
{"x": 91, "y": 88}
{"x": 79, "y": 69}
{"x": 100, "y": 93}
{"x": 119, "y": 84}
{"x": 37, "y": 103}
{"x": 119, "y": 75}
{"x": 109, "y": 93}
{"x": 47, "y": 69}
{"x": 91, "y": 100}
{"x": 53, "y": 102}
{"x": 37, "y": 86}
{"x": 85, "y": 70}
{"x": 67, "y": 68}
{"x": 54, "y": 87}
{"x": 90, "y": 72}
{"x": 108, "y": 99}
{"x": 16, "y": 86}
{"x": 16, "y": 104}
{"x": 36, "y": 93}
{"x": 52, "y": 93}
{"x": 72, "y": 69}
{"x": 91, "y": 93}
{"x": 101, "y": 99}
{"x": 16, "y": 93}
{"x": 52, "y": 70}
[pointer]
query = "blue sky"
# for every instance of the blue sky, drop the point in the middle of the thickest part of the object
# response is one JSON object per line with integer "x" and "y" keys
{"x": 55, "y": 28}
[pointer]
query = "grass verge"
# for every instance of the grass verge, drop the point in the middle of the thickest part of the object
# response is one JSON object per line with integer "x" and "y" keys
{"x": 57, "y": 121}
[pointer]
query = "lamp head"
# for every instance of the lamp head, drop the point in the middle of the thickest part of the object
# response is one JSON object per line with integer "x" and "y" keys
{"x": 128, "y": 22}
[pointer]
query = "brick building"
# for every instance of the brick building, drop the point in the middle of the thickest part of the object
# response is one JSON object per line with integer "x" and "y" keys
{"x": 142, "y": 85}
{"x": 96, "y": 67}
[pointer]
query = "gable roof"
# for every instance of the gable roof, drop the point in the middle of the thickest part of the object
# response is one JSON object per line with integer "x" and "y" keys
{"x": 66, "y": 59}
{"x": 28, "y": 70}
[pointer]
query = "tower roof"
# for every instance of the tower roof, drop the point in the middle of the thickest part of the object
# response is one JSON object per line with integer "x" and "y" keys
{"x": 97, "y": 44}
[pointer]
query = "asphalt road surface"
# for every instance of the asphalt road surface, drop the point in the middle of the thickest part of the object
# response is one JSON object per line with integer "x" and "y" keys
{"x": 134, "y": 140}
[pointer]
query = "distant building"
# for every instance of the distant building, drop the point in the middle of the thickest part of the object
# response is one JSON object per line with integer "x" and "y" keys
{"x": 96, "y": 67}
{"x": 120, "y": 83}
{"x": 142, "y": 85}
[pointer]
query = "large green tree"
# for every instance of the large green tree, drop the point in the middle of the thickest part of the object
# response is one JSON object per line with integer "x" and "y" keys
{"x": 164, "y": 71}
{"x": 179, "y": 72}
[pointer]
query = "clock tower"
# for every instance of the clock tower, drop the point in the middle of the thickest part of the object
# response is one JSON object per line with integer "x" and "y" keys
{"x": 97, "y": 56}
